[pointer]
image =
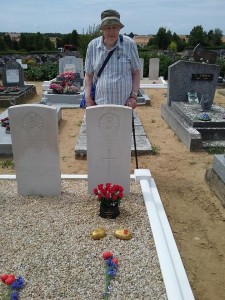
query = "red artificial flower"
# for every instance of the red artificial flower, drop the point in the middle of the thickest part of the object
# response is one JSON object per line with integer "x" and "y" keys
{"x": 120, "y": 195}
{"x": 96, "y": 191}
{"x": 107, "y": 255}
{"x": 104, "y": 191}
{"x": 115, "y": 261}
{"x": 108, "y": 185}
{"x": 107, "y": 196}
{"x": 10, "y": 279}
{"x": 125, "y": 231}
{"x": 100, "y": 187}
{"x": 3, "y": 277}
{"x": 100, "y": 196}
{"x": 114, "y": 197}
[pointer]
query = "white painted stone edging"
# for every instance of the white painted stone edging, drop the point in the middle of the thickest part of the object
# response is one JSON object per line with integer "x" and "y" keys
{"x": 173, "y": 272}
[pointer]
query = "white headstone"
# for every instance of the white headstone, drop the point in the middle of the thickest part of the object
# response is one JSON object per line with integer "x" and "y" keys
{"x": 34, "y": 132}
{"x": 109, "y": 129}
{"x": 153, "y": 68}
{"x": 142, "y": 67}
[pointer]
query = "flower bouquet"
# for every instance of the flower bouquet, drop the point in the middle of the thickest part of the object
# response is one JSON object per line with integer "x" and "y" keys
{"x": 11, "y": 287}
{"x": 64, "y": 84}
{"x": 2, "y": 88}
{"x": 111, "y": 265}
{"x": 109, "y": 196}
{"x": 12, "y": 89}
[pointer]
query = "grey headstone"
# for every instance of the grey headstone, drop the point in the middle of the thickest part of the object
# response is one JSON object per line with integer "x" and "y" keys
{"x": 185, "y": 76}
{"x": 34, "y": 133}
{"x": 12, "y": 74}
{"x": 203, "y": 55}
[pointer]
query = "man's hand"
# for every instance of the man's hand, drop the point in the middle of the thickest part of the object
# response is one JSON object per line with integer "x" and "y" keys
{"x": 131, "y": 102}
{"x": 89, "y": 101}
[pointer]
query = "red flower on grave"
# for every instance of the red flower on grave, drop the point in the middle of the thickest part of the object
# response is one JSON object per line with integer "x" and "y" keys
{"x": 107, "y": 255}
{"x": 115, "y": 261}
{"x": 109, "y": 194}
{"x": 66, "y": 86}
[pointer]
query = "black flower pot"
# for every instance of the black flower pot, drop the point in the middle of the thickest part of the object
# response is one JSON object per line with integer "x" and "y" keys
{"x": 110, "y": 212}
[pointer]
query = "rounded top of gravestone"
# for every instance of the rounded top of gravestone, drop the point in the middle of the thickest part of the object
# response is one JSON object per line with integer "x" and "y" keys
{"x": 204, "y": 55}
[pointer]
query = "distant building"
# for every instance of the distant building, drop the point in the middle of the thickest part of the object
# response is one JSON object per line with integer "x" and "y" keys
{"x": 142, "y": 40}
{"x": 53, "y": 40}
{"x": 184, "y": 37}
{"x": 15, "y": 36}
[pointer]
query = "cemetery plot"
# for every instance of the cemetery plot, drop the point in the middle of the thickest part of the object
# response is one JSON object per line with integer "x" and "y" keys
{"x": 13, "y": 90}
{"x": 142, "y": 142}
{"x": 189, "y": 110}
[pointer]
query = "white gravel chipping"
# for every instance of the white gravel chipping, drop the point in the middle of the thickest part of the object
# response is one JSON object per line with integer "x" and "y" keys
{"x": 47, "y": 240}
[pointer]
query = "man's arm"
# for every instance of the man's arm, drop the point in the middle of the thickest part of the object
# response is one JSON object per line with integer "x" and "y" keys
{"x": 88, "y": 85}
{"x": 136, "y": 75}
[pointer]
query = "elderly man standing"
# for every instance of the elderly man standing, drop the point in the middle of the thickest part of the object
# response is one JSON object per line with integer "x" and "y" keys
{"x": 120, "y": 79}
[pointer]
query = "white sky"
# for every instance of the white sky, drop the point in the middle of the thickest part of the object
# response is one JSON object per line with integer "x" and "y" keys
{"x": 139, "y": 17}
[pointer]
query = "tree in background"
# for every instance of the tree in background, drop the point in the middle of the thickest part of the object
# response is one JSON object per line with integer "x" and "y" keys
{"x": 38, "y": 42}
{"x": 198, "y": 36}
{"x": 74, "y": 39}
{"x": 23, "y": 43}
{"x": 162, "y": 39}
{"x": 84, "y": 39}
{"x": 8, "y": 41}
{"x": 3, "y": 46}
{"x": 173, "y": 46}
{"x": 217, "y": 37}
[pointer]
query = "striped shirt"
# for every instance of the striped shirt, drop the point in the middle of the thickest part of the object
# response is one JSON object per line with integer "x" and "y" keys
{"x": 115, "y": 83}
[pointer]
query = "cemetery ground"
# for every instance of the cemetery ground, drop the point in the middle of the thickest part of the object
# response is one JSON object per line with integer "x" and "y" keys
{"x": 196, "y": 215}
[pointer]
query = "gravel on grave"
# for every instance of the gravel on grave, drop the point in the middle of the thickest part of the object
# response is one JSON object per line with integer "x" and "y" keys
{"x": 48, "y": 241}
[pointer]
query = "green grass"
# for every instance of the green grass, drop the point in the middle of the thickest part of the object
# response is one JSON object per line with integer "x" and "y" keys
{"x": 155, "y": 150}
{"x": 6, "y": 164}
{"x": 215, "y": 150}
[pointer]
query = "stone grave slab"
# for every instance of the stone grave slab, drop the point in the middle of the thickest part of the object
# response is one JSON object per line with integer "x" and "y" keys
{"x": 215, "y": 177}
{"x": 194, "y": 133}
{"x": 143, "y": 145}
{"x": 62, "y": 98}
{"x": 34, "y": 133}
{"x": 108, "y": 145}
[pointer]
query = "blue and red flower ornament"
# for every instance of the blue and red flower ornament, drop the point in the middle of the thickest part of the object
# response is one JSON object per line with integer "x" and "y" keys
{"x": 12, "y": 286}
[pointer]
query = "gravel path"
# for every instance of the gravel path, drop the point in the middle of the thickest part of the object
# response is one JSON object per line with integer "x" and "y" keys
{"x": 48, "y": 241}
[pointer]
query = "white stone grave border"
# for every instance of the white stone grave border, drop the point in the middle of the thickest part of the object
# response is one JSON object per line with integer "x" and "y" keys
{"x": 150, "y": 85}
{"x": 173, "y": 272}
